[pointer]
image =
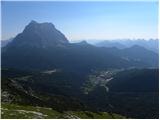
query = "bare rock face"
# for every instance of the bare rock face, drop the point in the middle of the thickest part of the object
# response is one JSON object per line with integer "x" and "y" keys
{"x": 40, "y": 35}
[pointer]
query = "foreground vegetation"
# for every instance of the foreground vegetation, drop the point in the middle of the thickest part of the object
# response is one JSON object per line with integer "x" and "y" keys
{"x": 14, "y": 111}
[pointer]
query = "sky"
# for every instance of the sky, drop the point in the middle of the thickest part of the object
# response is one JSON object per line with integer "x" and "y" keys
{"x": 84, "y": 20}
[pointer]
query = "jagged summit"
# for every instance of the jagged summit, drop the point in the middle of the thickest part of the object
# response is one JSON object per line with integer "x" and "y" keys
{"x": 35, "y": 23}
{"x": 40, "y": 35}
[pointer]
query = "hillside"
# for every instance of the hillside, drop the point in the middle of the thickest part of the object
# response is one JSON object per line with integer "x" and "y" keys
{"x": 68, "y": 92}
{"x": 14, "y": 111}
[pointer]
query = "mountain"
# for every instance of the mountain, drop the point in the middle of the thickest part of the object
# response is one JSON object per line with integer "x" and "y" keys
{"x": 110, "y": 44}
{"x": 152, "y": 44}
{"x": 5, "y": 42}
{"x": 82, "y": 43}
{"x": 138, "y": 53}
{"x": 40, "y": 35}
{"x": 42, "y": 47}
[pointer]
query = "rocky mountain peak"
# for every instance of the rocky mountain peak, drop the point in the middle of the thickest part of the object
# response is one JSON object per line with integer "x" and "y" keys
{"x": 40, "y": 35}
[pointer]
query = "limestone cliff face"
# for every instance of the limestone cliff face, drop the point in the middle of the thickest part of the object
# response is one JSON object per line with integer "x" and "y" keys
{"x": 39, "y": 35}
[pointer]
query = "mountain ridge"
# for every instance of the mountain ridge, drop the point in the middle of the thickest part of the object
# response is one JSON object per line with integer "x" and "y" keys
{"x": 41, "y": 46}
{"x": 151, "y": 44}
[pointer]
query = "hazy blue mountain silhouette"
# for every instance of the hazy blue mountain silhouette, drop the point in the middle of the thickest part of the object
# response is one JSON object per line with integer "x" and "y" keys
{"x": 110, "y": 44}
{"x": 41, "y": 46}
{"x": 152, "y": 44}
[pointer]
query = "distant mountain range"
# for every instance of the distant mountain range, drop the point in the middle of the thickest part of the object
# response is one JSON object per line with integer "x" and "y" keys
{"x": 41, "y": 46}
{"x": 152, "y": 44}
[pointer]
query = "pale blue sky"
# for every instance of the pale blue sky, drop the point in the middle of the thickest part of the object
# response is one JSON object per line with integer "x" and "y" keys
{"x": 84, "y": 20}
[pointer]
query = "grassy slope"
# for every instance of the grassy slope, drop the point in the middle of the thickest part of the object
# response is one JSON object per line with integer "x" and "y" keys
{"x": 13, "y": 111}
